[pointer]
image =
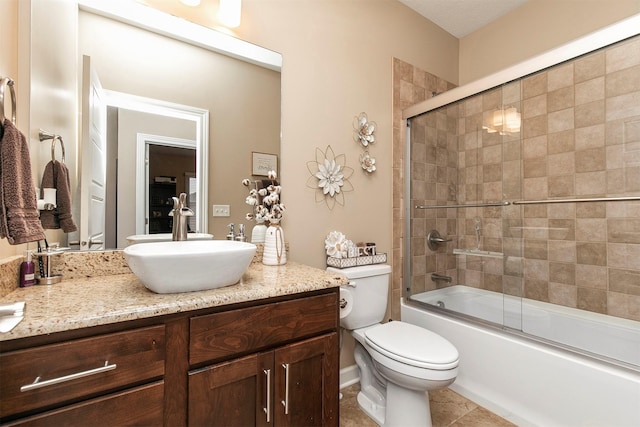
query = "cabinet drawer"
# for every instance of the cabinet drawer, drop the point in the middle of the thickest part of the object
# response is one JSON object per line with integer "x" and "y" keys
{"x": 42, "y": 377}
{"x": 220, "y": 335}
{"x": 141, "y": 406}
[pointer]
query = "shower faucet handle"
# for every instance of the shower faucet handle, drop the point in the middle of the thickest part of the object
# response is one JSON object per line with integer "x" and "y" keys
{"x": 434, "y": 240}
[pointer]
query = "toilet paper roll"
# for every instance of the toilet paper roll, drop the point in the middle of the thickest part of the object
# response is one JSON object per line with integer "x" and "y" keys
{"x": 49, "y": 195}
{"x": 346, "y": 303}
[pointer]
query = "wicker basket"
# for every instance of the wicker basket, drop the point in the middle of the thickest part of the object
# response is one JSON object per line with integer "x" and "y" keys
{"x": 356, "y": 261}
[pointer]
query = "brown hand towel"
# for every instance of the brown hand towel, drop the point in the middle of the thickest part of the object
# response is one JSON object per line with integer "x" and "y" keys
{"x": 56, "y": 175}
{"x": 19, "y": 221}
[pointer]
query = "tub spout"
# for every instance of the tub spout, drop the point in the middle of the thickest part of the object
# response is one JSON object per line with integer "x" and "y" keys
{"x": 435, "y": 277}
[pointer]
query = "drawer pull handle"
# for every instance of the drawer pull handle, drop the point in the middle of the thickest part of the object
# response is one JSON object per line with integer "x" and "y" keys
{"x": 267, "y": 409}
{"x": 285, "y": 402}
{"x": 38, "y": 384}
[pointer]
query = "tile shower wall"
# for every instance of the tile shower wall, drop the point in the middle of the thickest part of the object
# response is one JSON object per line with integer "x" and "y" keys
{"x": 411, "y": 85}
{"x": 580, "y": 138}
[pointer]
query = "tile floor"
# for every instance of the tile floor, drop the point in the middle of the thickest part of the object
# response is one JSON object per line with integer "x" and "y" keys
{"x": 447, "y": 409}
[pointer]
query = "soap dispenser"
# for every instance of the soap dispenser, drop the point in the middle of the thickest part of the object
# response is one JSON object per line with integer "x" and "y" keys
{"x": 232, "y": 232}
{"x": 27, "y": 272}
{"x": 241, "y": 236}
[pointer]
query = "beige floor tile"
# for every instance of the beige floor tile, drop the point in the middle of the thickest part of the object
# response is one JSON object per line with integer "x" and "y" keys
{"x": 447, "y": 409}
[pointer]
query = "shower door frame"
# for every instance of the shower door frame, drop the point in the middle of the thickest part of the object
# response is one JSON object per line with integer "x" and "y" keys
{"x": 617, "y": 32}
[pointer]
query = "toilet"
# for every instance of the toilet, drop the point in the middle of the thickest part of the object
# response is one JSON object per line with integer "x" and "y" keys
{"x": 399, "y": 363}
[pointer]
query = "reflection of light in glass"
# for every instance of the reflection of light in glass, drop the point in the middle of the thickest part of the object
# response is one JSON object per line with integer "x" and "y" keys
{"x": 229, "y": 12}
{"x": 191, "y": 2}
{"x": 505, "y": 121}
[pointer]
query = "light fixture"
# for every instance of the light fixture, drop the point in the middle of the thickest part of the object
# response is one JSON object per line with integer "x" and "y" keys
{"x": 229, "y": 12}
{"x": 191, "y": 2}
{"x": 504, "y": 120}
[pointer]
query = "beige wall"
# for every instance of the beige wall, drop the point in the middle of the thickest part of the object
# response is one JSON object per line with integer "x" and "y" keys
{"x": 534, "y": 28}
{"x": 338, "y": 61}
{"x": 9, "y": 68}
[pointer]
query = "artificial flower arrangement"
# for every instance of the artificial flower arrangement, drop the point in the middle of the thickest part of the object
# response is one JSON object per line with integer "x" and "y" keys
{"x": 344, "y": 253}
{"x": 265, "y": 201}
{"x": 338, "y": 246}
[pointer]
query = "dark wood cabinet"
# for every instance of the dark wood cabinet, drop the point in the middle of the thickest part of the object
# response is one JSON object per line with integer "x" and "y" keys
{"x": 294, "y": 385}
{"x": 267, "y": 363}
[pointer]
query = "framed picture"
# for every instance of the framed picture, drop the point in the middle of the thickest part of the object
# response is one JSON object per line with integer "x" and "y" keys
{"x": 262, "y": 163}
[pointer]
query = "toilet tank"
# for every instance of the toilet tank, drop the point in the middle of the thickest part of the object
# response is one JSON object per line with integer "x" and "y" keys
{"x": 366, "y": 295}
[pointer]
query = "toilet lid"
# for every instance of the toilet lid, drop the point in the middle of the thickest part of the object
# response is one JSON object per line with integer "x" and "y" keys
{"x": 412, "y": 345}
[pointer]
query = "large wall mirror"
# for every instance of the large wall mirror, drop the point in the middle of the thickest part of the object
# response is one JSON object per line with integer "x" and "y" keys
{"x": 211, "y": 111}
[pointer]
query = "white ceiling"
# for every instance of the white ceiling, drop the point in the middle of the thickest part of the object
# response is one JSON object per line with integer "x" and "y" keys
{"x": 462, "y": 17}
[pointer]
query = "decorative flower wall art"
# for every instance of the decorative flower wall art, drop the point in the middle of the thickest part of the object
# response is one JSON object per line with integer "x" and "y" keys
{"x": 330, "y": 177}
{"x": 367, "y": 162}
{"x": 364, "y": 132}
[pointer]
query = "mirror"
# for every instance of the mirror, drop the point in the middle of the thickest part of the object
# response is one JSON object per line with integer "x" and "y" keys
{"x": 242, "y": 100}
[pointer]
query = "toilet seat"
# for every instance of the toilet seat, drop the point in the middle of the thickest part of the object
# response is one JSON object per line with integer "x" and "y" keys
{"x": 412, "y": 345}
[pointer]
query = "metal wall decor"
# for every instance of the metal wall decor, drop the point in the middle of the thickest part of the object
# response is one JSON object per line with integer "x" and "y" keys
{"x": 364, "y": 133}
{"x": 329, "y": 177}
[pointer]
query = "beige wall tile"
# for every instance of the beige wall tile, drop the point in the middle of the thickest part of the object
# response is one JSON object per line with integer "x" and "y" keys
{"x": 590, "y": 136}
{"x": 562, "y": 229}
{"x": 535, "y": 106}
{"x": 589, "y": 91}
{"x": 560, "y": 77}
{"x": 591, "y": 230}
{"x": 589, "y": 66}
{"x": 623, "y": 56}
{"x": 559, "y": 99}
{"x": 561, "y": 164}
{"x": 561, "y": 186}
{"x": 624, "y": 281}
{"x": 591, "y": 183}
{"x": 535, "y": 167}
{"x": 590, "y": 160}
{"x": 562, "y": 294}
{"x": 562, "y": 251}
{"x": 623, "y": 106}
{"x": 562, "y": 120}
{"x": 592, "y": 300}
{"x": 591, "y": 253}
{"x": 591, "y": 276}
{"x": 589, "y": 114}
{"x": 623, "y": 81}
{"x": 562, "y": 273}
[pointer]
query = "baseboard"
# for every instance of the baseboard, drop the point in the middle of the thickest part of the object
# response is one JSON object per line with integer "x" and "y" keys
{"x": 349, "y": 376}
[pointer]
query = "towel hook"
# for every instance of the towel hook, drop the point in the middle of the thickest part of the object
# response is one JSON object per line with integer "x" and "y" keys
{"x": 44, "y": 136}
{"x": 7, "y": 82}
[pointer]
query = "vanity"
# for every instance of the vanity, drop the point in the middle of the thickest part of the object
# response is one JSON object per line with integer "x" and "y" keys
{"x": 105, "y": 350}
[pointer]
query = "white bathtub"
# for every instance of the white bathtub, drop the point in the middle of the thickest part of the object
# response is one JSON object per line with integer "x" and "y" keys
{"x": 529, "y": 382}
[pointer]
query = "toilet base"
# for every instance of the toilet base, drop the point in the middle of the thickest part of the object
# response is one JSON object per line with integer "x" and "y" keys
{"x": 407, "y": 408}
{"x": 374, "y": 407}
{"x": 401, "y": 407}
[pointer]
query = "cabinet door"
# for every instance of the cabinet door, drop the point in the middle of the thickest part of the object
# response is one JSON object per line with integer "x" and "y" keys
{"x": 233, "y": 393}
{"x": 307, "y": 382}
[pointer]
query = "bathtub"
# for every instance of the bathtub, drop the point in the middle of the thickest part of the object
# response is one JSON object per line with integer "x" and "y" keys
{"x": 592, "y": 380}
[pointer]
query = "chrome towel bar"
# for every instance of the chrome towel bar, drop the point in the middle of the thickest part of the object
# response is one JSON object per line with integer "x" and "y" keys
{"x": 533, "y": 202}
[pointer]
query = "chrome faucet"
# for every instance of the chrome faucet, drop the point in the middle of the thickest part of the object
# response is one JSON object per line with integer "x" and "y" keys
{"x": 180, "y": 213}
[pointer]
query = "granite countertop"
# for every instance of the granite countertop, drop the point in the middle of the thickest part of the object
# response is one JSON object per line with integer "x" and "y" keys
{"x": 85, "y": 302}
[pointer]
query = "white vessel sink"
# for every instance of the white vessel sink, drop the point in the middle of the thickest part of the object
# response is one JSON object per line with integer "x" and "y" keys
{"x": 164, "y": 237}
{"x": 186, "y": 266}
